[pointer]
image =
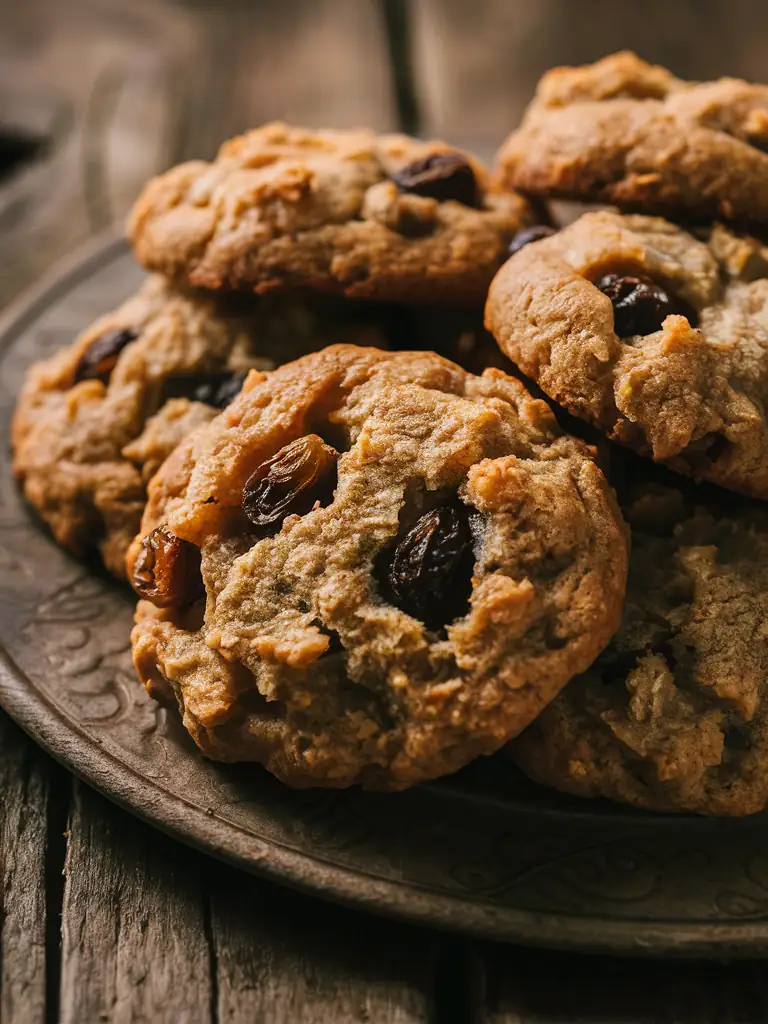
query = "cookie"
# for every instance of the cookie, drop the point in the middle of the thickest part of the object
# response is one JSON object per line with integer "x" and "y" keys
{"x": 657, "y": 337}
{"x": 630, "y": 134}
{"x": 673, "y": 716}
{"x": 370, "y": 216}
{"x": 95, "y": 421}
{"x": 401, "y": 564}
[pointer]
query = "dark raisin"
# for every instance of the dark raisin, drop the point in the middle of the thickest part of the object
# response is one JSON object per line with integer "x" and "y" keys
{"x": 216, "y": 389}
{"x": 528, "y": 235}
{"x": 439, "y": 176}
{"x": 167, "y": 570}
{"x": 100, "y": 358}
{"x": 425, "y": 570}
{"x": 640, "y": 306}
{"x": 290, "y": 483}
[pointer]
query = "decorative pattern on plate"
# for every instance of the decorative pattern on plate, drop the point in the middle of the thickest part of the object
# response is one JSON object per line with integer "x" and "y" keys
{"x": 485, "y": 852}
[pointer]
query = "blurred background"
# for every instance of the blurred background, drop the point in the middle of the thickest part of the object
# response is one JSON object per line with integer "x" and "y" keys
{"x": 96, "y": 95}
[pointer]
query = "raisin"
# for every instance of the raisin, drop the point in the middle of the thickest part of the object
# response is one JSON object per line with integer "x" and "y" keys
{"x": 640, "y": 306}
{"x": 167, "y": 570}
{"x": 100, "y": 358}
{"x": 290, "y": 483}
{"x": 439, "y": 176}
{"x": 528, "y": 235}
{"x": 216, "y": 389}
{"x": 425, "y": 572}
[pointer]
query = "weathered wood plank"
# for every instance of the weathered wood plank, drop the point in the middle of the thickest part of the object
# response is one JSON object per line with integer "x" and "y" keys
{"x": 124, "y": 90}
{"x": 323, "y": 63}
{"x": 134, "y": 945}
{"x": 285, "y": 957}
{"x": 530, "y": 987}
{"x": 478, "y": 63}
{"x": 101, "y": 82}
{"x": 25, "y": 858}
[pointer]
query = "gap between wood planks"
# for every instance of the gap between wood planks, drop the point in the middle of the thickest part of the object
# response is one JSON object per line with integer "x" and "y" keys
{"x": 57, "y": 830}
{"x": 151, "y": 927}
{"x": 33, "y": 812}
{"x": 396, "y": 17}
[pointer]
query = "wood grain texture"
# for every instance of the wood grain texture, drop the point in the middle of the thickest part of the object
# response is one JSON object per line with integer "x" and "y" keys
{"x": 477, "y": 64}
{"x": 104, "y": 81}
{"x": 26, "y": 788}
{"x": 153, "y": 932}
{"x": 323, "y": 63}
{"x": 123, "y": 90}
{"x": 529, "y": 987}
{"x": 284, "y": 957}
{"x": 134, "y": 944}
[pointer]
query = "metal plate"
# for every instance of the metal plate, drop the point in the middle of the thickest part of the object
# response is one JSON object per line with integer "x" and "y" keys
{"x": 485, "y": 852}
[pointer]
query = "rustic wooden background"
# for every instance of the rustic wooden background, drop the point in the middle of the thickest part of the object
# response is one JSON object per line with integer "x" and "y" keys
{"x": 102, "y": 920}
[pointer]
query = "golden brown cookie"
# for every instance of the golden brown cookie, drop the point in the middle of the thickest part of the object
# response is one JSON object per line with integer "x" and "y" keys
{"x": 369, "y": 216}
{"x": 95, "y": 421}
{"x": 673, "y": 715}
{"x": 657, "y": 337}
{"x": 630, "y": 134}
{"x": 402, "y": 563}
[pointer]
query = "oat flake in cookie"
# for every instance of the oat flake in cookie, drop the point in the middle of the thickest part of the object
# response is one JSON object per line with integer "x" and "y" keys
{"x": 403, "y": 564}
{"x": 95, "y": 421}
{"x": 370, "y": 216}
{"x": 657, "y": 337}
{"x": 628, "y": 133}
{"x": 673, "y": 715}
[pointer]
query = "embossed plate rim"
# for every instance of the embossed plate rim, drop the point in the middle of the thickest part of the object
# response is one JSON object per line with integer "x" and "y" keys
{"x": 83, "y": 753}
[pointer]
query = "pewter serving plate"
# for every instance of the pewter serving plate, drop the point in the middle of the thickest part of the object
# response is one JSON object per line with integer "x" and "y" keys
{"x": 484, "y": 852}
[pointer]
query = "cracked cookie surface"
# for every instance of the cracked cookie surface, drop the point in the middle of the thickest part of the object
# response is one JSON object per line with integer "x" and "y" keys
{"x": 673, "y": 715}
{"x": 370, "y": 216}
{"x": 631, "y": 134}
{"x": 95, "y": 421}
{"x": 657, "y": 337}
{"x": 403, "y": 563}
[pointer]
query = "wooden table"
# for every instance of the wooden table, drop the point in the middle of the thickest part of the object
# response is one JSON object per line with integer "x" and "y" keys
{"x": 102, "y": 919}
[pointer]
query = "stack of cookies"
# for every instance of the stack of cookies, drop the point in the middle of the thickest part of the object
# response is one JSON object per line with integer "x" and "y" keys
{"x": 361, "y": 562}
{"x": 652, "y": 325}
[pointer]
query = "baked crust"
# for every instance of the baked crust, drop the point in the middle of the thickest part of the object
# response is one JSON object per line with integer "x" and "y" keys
{"x": 284, "y": 209}
{"x": 85, "y": 449}
{"x": 692, "y": 397}
{"x": 301, "y": 658}
{"x": 673, "y": 716}
{"x": 631, "y": 134}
